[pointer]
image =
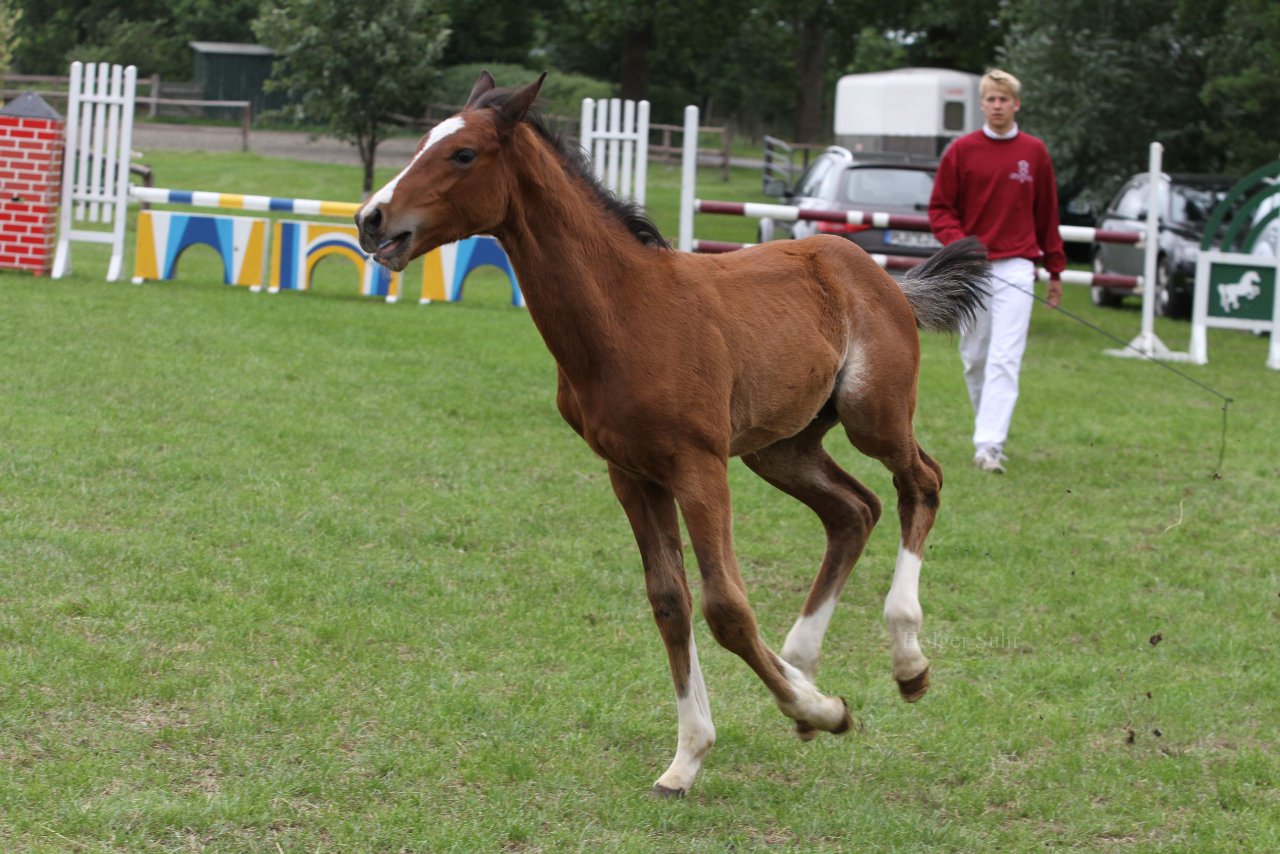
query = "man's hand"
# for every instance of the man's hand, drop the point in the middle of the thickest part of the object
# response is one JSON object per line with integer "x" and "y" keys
{"x": 1054, "y": 295}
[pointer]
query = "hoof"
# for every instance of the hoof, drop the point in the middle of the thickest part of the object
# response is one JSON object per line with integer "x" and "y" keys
{"x": 663, "y": 793}
{"x": 808, "y": 732}
{"x": 846, "y": 723}
{"x": 914, "y": 688}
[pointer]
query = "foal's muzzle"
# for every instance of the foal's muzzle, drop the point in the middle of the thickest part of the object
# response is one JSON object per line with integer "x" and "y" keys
{"x": 368, "y": 225}
{"x": 384, "y": 248}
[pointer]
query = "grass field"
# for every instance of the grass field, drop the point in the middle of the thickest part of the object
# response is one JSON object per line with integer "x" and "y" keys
{"x": 309, "y": 572}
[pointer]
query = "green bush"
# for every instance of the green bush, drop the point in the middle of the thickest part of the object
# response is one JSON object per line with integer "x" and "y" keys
{"x": 562, "y": 93}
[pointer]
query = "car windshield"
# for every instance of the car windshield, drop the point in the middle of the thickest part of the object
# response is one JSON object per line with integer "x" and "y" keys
{"x": 1195, "y": 204}
{"x": 886, "y": 186}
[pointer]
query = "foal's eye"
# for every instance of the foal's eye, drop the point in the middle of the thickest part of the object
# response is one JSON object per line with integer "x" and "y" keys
{"x": 463, "y": 156}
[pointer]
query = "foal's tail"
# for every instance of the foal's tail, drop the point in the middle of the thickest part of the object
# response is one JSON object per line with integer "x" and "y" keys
{"x": 949, "y": 289}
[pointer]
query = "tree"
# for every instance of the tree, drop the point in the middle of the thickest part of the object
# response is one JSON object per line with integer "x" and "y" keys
{"x": 351, "y": 65}
{"x": 759, "y": 62}
{"x": 623, "y": 40}
{"x": 1102, "y": 80}
{"x": 877, "y": 51}
{"x": 9, "y": 17}
{"x": 813, "y": 23}
{"x": 823, "y": 39}
{"x": 151, "y": 34}
{"x": 1241, "y": 93}
{"x": 495, "y": 31}
{"x": 962, "y": 34}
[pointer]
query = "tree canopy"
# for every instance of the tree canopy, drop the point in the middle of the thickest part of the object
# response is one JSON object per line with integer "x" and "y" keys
{"x": 353, "y": 64}
{"x": 151, "y": 34}
{"x": 1101, "y": 79}
{"x": 9, "y": 17}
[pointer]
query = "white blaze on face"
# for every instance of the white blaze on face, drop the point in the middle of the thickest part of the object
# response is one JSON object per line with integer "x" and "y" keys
{"x": 448, "y": 127}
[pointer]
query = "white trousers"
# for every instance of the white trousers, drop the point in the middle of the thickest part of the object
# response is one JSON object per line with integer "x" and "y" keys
{"x": 992, "y": 347}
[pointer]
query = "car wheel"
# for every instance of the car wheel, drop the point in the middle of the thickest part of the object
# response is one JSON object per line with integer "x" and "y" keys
{"x": 1169, "y": 303}
{"x": 1099, "y": 295}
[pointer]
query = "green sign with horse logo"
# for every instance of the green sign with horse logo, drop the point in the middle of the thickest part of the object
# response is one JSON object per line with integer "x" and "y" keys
{"x": 1242, "y": 291}
{"x": 1235, "y": 291}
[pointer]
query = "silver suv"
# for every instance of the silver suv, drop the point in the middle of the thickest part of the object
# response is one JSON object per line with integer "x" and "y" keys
{"x": 839, "y": 180}
{"x": 1185, "y": 204}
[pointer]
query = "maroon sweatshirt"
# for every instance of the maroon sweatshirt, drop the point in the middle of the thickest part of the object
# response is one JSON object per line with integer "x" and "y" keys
{"x": 1001, "y": 191}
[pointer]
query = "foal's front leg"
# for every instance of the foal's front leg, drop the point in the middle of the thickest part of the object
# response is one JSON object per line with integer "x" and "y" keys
{"x": 702, "y": 491}
{"x": 652, "y": 513}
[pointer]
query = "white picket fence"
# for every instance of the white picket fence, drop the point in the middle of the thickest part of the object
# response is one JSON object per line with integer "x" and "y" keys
{"x": 95, "y": 170}
{"x": 615, "y": 134}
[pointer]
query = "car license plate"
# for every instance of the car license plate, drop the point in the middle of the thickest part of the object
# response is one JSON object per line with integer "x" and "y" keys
{"x": 917, "y": 239}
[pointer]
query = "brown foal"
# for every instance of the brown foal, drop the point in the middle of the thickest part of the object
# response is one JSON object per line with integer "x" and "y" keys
{"x": 671, "y": 363}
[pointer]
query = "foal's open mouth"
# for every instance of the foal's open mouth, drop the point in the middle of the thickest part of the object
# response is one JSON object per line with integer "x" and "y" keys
{"x": 391, "y": 247}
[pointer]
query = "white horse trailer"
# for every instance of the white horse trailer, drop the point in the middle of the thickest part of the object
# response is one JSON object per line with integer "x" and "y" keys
{"x": 910, "y": 110}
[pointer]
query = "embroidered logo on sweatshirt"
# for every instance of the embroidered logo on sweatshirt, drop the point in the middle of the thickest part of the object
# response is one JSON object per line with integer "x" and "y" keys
{"x": 1023, "y": 175}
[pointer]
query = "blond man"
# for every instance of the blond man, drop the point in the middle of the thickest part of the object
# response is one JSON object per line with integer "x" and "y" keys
{"x": 997, "y": 184}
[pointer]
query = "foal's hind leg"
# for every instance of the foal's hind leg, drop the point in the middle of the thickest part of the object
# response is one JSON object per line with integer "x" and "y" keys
{"x": 800, "y": 467}
{"x": 652, "y": 513}
{"x": 918, "y": 480}
{"x": 886, "y": 435}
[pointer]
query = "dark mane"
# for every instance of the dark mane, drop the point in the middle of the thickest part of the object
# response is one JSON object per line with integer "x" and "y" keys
{"x": 576, "y": 166}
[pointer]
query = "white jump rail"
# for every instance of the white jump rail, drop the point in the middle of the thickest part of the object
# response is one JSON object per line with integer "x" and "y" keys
{"x": 238, "y": 201}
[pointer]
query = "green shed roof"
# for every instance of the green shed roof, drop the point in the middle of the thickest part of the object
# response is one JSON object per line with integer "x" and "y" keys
{"x": 231, "y": 48}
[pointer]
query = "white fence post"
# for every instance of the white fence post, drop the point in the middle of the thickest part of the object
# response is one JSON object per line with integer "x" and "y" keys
{"x": 586, "y": 126}
{"x": 625, "y": 167}
{"x": 600, "y": 142}
{"x": 642, "y": 153}
{"x": 613, "y": 153}
{"x": 1150, "y": 257}
{"x": 688, "y": 177}
{"x": 95, "y": 170}
{"x": 1148, "y": 344}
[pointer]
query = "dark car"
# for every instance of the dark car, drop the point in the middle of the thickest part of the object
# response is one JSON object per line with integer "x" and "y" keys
{"x": 1185, "y": 203}
{"x": 839, "y": 180}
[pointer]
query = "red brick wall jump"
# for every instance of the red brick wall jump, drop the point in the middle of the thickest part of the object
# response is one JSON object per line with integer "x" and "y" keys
{"x": 30, "y": 185}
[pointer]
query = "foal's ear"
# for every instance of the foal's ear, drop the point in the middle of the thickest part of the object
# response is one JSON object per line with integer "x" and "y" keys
{"x": 483, "y": 84}
{"x": 511, "y": 112}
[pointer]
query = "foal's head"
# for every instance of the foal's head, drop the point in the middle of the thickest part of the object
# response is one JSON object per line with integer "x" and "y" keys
{"x": 456, "y": 185}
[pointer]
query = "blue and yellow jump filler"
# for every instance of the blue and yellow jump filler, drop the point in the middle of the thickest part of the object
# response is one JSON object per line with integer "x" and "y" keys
{"x": 298, "y": 246}
{"x": 241, "y": 242}
{"x": 293, "y": 248}
{"x": 446, "y": 269}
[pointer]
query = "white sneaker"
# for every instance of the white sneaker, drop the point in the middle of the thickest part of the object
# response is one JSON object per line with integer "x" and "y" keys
{"x": 989, "y": 459}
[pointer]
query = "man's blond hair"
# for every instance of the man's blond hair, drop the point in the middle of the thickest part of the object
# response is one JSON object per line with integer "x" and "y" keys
{"x": 1000, "y": 80}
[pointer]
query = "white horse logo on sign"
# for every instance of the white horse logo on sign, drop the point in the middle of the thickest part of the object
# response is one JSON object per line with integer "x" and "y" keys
{"x": 1229, "y": 296}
